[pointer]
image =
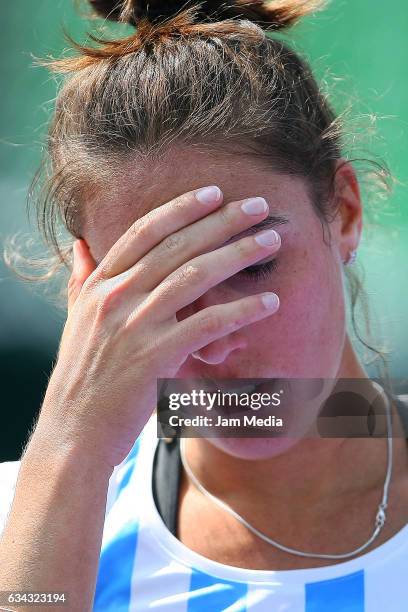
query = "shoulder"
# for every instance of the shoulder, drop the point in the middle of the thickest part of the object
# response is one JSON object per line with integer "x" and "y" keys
{"x": 8, "y": 478}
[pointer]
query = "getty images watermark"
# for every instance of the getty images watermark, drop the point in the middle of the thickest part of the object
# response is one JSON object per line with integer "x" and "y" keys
{"x": 281, "y": 407}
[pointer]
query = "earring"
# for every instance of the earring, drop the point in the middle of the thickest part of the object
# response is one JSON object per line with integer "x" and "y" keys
{"x": 351, "y": 258}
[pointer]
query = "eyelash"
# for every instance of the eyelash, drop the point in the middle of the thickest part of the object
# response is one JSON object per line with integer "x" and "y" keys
{"x": 261, "y": 271}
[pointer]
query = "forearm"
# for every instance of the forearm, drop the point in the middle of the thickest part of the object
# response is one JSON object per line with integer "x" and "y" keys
{"x": 53, "y": 536}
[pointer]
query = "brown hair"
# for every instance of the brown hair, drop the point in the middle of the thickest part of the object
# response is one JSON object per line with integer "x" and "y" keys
{"x": 221, "y": 81}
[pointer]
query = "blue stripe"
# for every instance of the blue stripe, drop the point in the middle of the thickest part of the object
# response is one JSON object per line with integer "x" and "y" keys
{"x": 345, "y": 594}
{"x": 211, "y": 593}
{"x": 113, "y": 585}
{"x": 135, "y": 448}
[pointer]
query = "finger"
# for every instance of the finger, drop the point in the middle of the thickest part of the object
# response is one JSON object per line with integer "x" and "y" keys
{"x": 152, "y": 228}
{"x": 193, "y": 279}
{"x": 83, "y": 265}
{"x": 210, "y": 324}
{"x": 197, "y": 238}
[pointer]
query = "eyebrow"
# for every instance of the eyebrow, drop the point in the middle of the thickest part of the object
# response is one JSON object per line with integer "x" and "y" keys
{"x": 270, "y": 221}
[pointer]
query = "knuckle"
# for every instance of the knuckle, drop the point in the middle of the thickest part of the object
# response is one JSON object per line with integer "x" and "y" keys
{"x": 93, "y": 281}
{"x": 107, "y": 299}
{"x": 102, "y": 308}
{"x": 209, "y": 323}
{"x": 142, "y": 230}
{"x": 138, "y": 271}
{"x": 173, "y": 242}
{"x": 179, "y": 203}
{"x": 192, "y": 274}
{"x": 242, "y": 247}
{"x": 103, "y": 269}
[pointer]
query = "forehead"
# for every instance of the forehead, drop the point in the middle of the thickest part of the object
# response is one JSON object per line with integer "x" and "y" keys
{"x": 140, "y": 186}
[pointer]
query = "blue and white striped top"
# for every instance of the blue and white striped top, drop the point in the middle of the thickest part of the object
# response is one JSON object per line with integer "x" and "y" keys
{"x": 144, "y": 567}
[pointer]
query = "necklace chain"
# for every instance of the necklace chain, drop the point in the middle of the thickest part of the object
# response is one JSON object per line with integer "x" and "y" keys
{"x": 379, "y": 519}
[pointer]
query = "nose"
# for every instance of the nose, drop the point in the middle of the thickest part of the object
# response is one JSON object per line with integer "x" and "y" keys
{"x": 215, "y": 352}
{"x": 218, "y": 351}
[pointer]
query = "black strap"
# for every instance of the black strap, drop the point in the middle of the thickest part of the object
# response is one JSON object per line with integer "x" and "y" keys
{"x": 167, "y": 471}
{"x": 166, "y": 481}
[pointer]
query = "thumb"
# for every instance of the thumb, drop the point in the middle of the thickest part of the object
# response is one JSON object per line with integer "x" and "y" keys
{"x": 83, "y": 265}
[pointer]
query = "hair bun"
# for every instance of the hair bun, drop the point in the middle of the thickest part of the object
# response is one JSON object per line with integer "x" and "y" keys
{"x": 274, "y": 14}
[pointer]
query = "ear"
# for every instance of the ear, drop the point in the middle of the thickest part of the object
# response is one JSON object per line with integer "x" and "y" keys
{"x": 83, "y": 265}
{"x": 349, "y": 206}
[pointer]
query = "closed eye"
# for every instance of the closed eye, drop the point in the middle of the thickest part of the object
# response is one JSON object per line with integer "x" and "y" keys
{"x": 260, "y": 271}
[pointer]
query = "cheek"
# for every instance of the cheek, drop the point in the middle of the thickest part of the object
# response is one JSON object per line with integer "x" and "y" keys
{"x": 306, "y": 335}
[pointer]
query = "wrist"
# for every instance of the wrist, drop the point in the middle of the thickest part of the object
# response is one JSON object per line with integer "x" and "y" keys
{"x": 46, "y": 448}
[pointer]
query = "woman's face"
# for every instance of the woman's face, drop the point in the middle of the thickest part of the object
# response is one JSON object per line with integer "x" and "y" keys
{"x": 305, "y": 338}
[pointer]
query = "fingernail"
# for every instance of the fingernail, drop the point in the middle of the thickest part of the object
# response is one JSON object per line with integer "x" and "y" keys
{"x": 270, "y": 301}
{"x": 268, "y": 238}
{"x": 208, "y": 195}
{"x": 254, "y": 206}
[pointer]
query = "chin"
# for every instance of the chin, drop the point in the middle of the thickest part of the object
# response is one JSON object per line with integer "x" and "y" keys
{"x": 253, "y": 448}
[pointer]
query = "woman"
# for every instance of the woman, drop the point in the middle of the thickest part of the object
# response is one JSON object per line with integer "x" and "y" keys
{"x": 201, "y": 171}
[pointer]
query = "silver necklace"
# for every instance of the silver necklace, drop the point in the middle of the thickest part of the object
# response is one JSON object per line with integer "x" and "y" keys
{"x": 379, "y": 519}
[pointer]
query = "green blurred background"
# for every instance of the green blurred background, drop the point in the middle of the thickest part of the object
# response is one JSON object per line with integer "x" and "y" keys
{"x": 359, "y": 51}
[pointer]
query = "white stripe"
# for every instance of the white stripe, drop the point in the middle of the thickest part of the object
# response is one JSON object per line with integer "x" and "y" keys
{"x": 8, "y": 478}
{"x": 158, "y": 583}
{"x": 114, "y": 481}
{"x": 279, "y": 598}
